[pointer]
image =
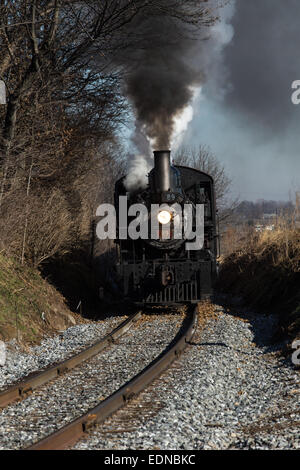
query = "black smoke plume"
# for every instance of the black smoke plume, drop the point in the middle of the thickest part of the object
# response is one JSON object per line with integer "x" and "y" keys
{"x": 166, "y": 66}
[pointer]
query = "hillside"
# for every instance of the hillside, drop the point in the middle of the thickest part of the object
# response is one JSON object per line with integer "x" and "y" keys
{"x": 265, "y": 272}
{"x": 29, "y": 306}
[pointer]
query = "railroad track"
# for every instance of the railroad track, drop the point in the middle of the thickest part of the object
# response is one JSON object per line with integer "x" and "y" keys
{"x": 23, "y": 389}
{"x": 70, "y": 433}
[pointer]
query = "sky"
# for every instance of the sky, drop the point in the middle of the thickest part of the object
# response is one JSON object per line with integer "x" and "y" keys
{"x": 244, "y": 111}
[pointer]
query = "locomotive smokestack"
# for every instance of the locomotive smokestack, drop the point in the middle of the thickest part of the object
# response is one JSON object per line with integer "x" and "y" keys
{"x": 162, "y": 170}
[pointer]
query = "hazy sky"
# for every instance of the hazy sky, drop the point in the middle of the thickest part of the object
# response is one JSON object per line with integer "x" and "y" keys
{"x": 244, "y": 112}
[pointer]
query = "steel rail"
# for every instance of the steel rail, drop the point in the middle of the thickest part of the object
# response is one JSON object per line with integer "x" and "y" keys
{"x": 23, "y": 389}
{"x": 72, "y": 432}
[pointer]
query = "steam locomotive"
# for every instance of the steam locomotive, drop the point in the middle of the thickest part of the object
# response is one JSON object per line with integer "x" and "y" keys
{"x": 160, "y": 268}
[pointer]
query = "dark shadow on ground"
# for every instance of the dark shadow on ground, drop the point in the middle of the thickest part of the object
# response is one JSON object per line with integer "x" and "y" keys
{"x": 265, "y": 326}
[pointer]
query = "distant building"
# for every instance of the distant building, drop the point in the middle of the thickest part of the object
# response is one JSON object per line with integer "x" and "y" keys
{"x": 269, "y": 216}
{"x": 261, "y": 228}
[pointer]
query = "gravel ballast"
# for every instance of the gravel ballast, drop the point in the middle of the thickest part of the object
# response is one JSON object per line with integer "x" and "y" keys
{"x": 73, "y": 394}
{"x": 230, "y": 390}
{"x": 52, "y": 350}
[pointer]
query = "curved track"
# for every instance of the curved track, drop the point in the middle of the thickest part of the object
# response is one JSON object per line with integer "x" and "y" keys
{"x": 22, "y": 389}
{"x": 72, "y": 432}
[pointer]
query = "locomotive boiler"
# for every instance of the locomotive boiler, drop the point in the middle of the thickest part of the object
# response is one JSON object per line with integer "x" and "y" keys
{"x": 167, "y": 266}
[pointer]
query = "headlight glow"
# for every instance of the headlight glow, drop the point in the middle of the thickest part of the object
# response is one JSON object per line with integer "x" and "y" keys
{"x": 164, "y": 217}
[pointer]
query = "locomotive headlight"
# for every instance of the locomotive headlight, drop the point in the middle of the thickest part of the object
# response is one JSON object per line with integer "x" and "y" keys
{"x": 164, "y": 217}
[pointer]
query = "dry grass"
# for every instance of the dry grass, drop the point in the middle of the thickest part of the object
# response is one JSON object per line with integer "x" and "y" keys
{"x": 30, "y": 308}
{"x": 265, "y": 271}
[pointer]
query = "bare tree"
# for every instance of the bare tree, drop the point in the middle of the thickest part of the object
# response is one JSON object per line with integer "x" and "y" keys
{"x": 201, "y": 158}
{"x": 65, "y": 103}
